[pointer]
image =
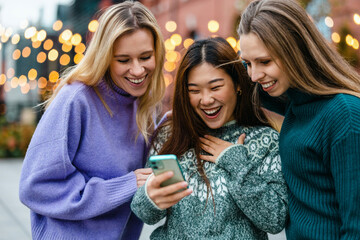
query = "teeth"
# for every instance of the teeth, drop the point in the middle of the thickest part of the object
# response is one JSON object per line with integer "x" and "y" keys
{"x": 137, "y": 81}
{"x": 266, "y": 85}
{"x": 209, "y": 112}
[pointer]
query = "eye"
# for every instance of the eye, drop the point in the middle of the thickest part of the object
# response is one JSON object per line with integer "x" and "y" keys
{"x": 247, "y": 64}
{"x": 122, "y": 60}
{"x": 216, "y": 87}
{"x": 145, "y": 58}
{"x": 193, "y": 91}
{"x": 265, "y": 62}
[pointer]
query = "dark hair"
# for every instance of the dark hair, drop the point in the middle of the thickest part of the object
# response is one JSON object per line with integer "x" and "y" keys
{"x": 186, "y": 125}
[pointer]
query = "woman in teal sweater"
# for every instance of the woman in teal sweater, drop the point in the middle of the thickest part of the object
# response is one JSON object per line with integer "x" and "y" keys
{"x": 302, "y": 77}
{"x": 237, "y": 190}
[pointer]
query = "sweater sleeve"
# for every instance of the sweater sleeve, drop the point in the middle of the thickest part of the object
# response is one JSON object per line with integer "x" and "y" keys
{"x": 50, "y": 183}
{"x": 345, "y": 168}
{"x": 256, "y": 182}
{"x": 145, "y": 209}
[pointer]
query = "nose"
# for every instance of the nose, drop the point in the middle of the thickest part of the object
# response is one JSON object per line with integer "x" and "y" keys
{"x": 256, "y": 74}
{"x": 206, "y": 99}
{"x": 136, "y": 69}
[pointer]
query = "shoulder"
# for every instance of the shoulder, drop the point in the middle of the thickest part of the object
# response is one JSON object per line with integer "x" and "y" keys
{"x": 267, "y": 135}
{"x": 162, "y": 135}
{"x": 343, "y": 113}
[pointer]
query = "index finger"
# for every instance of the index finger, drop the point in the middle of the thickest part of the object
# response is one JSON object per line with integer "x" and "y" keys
{"x": 161, "y": 178}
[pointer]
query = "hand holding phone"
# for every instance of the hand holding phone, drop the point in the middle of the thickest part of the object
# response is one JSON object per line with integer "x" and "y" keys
{"x": 164, "y": 163}
{"x": 166, "y": 189}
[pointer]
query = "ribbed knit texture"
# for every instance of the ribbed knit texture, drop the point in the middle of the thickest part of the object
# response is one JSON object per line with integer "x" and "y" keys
{"x": 248, "y": 187}
{"x": 320, "y": 150}
{"x": 77, "y": 177}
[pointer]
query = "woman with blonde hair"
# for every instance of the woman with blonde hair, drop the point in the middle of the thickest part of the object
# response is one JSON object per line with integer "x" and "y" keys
{"x": 86, "y": 158}
{"x": 302, "y": 77}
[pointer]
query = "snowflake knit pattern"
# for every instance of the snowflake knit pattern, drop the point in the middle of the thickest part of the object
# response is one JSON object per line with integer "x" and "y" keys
{"x": 247, "y": 185}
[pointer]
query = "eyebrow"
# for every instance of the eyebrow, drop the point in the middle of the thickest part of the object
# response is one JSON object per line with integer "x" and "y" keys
{"x": 125, "y": 55}
{"x": 210, "y": 82}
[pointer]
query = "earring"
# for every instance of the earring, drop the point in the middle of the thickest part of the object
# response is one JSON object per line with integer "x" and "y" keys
{"x": 239, "y": 92}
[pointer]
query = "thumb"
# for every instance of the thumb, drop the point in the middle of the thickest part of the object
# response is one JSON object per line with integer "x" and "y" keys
{"x": 241, "y": 139}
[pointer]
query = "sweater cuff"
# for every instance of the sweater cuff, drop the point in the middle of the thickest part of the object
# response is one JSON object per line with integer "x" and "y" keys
{"x": 121, "y": 189}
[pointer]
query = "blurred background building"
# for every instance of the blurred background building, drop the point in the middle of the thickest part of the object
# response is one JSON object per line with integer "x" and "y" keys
{"x": 33, "y": 55}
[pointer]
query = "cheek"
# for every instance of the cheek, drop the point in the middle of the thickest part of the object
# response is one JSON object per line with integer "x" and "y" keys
{"x": 151, "y": 65}
{"x": 193, "y": 101}
{"x": 117, "y": 69}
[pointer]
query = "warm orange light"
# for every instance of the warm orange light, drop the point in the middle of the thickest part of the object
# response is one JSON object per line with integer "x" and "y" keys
{"x": 78, "y": 58}
{"x": 15, "y": 39}
{"x": 76, "y": 39}
{"x": 170, "y": 26}
{"x": 231, "y": 41}
{"x": 42, "y": 82}
{"x": 64, "y": 59}
{"x": 57, "y": 25}
{"x": 188, "y": 42}
{"x": 335, "y": 37}
{"x": 41, "y": 57}
{"x": 53, "y": 76}
{"x": 36, "y": 44}
{"x": 213, "y": 26}
{"x": 169, "y": 66}
{"x": 14, "y": 82}
{"x": 93, "y": 25}
{"x": 16, "y": 54}
{"x": 80, "y": 48}
{"x": 41, "y": 35}
{"x": 2, "y": 79}
{"x": 22, "y": 80}
{"x": 32, "y": 74}
{"x": 53, "y": 55}
{"x": 176, "y": 39}
{"x": 171, "y": 56}
{"x": 66, "y": 47}
{"x": 48, "y": 44}
{"x": 26, "y": 52}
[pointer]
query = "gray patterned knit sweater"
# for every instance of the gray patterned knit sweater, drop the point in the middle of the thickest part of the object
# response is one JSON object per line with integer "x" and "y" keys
{"x": 248, "y": 187}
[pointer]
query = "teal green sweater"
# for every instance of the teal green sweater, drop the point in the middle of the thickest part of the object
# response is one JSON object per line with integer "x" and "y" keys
{"x": 320, "y": 152}
{"x": 248, "y": 188}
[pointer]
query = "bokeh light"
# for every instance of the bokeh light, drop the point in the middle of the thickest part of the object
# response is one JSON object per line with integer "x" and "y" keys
{"x": 57, "y": 25}
{"x": 93, "y": 25}
{"x": 170, "y": 26}
{"x": 213, "y": 26}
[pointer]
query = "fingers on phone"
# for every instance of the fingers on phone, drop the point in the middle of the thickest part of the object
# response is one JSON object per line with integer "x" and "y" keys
{"x": 161, "y": 178}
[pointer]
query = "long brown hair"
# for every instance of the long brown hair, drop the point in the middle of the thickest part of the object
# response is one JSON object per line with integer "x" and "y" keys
{"x": 308, "y": 60}
{"x": 186, "y": 126}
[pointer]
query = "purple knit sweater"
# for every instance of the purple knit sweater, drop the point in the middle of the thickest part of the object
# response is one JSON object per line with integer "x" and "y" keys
{"x": 77, "y": 177}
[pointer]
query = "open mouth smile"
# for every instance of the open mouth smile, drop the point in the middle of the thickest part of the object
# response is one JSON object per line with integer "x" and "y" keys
{"x": 269, "y": 84}
{"x": 213, "y": 112}
{"x": 136, "y": 80}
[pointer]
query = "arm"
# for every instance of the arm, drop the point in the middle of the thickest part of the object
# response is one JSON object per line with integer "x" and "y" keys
{"x": 345, "y": 168}
{"x": 256, "y": 182}
{"x": 51, "y": 184}
{"x": 145, "y": 209}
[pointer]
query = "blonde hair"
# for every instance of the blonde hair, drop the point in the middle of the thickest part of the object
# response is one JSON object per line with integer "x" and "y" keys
{"x": 116, "y": 21}
{"x": 308, "y": 60}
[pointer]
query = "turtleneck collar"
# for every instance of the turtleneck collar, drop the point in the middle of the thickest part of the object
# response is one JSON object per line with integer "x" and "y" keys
{"x": 111, "y": 91}
{"x": 299, "y": 97}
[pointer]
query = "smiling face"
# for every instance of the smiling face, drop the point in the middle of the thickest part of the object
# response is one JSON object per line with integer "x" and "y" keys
{"x": 133, "y": 62}
{"x": 212, "y": 95}
{"x": 261, "y": 67}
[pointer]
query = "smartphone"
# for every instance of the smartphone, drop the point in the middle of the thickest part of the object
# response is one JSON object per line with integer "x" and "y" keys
{"x": 164, "y": 163}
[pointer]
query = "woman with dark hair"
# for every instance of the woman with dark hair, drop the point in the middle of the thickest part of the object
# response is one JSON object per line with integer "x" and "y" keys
{"x": 236, "y": 190}
{"x": 300, "y": 76}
